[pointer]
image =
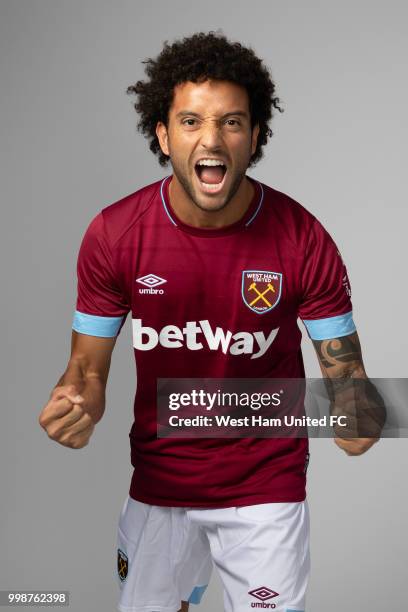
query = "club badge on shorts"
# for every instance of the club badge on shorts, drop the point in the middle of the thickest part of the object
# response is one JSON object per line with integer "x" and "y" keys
{"x": 122, "y": 565}
{"x": 261, "y": 290}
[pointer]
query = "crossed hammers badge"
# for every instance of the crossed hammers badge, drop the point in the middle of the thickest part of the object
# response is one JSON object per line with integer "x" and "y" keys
{"x": 261, "y": 290}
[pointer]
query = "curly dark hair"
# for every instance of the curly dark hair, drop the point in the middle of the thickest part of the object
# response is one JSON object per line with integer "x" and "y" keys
{"x": 197, "y": 58}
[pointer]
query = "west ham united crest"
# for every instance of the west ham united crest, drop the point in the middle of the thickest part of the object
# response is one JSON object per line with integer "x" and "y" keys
{"x": 122, "y": 565}
{"x": 261, "y": 290}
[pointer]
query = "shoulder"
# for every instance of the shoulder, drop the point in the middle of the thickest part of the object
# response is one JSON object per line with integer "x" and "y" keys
{"x": 286, "y": 214}
{"x": 120, "y": 216}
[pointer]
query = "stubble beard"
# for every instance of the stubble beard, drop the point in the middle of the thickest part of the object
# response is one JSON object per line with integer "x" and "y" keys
{"x": 187, "y": 185}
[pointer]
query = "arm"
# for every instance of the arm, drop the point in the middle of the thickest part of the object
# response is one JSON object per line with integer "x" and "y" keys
{"x": 77, "y": 402}
{"x": 351, "y": 392}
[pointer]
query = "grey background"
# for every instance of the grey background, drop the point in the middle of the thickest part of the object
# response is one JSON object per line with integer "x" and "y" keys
{"x": 70, "y": 147}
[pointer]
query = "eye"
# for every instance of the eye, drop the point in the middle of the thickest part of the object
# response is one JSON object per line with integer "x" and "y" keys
{"x": 233, "y": 122}
{"x": 184, "y": 122}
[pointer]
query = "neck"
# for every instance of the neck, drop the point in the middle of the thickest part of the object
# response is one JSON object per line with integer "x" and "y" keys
{"x": 187, "y": 211}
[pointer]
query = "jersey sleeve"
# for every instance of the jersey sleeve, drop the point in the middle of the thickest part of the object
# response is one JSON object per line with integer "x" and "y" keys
{"x": 325, "y": 307}
{"x": 101, "y": 307}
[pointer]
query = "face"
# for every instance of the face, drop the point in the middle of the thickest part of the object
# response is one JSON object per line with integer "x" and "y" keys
{"x": 209, "y": 124}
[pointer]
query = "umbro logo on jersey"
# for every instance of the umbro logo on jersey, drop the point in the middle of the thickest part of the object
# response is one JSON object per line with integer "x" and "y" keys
{"x": 151, "y": 281}
{"x": 263, "y": 594}
{"x": 197, "y": 335}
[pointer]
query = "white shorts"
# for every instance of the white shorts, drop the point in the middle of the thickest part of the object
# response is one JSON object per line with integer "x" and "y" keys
{"x": 166, "y": 554}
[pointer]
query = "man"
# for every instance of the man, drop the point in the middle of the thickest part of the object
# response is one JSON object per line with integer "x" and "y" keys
{"x": 215, "y": 268}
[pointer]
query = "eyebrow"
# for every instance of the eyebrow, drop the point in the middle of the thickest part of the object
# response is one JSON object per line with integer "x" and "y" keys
{"x": 236, "y": 113}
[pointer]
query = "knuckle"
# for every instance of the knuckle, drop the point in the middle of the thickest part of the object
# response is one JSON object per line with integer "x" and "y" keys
{"x": 63, "y": 389}
{"x": 76, "y": 411}
{"x": 68, "y": 441}
{"x": 66, "y": 444}
{"x": 56, "y": 432}
{"x": 52, "y": 433}
{"x": 64, "y": 439}
{"x": 87, "y": 418}
{"x": 79, "y": 443}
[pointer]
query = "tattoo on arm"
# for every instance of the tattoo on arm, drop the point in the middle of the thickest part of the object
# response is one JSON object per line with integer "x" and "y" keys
{"x": 349, "y": 389}
{"x": 339, "y": 356}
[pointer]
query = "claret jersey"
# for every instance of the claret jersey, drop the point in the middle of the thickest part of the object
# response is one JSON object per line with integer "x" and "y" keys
{"x": 213, "y": 303}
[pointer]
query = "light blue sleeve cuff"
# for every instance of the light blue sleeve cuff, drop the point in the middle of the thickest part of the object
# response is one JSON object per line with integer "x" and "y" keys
{"x": 330, "y": 327}
{"x": 93, "y": 325}
{"x": 197, "y": 594}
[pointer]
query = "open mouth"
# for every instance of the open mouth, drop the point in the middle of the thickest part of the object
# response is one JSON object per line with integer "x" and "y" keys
{"x": 211, "y": 175}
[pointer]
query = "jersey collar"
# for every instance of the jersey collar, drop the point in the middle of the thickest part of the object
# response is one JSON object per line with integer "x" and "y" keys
{"x": 246, "y": 220}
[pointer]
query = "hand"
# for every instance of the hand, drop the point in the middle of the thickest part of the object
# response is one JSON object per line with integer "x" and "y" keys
{"x": 355, "y": 446}
{"x": 64, "y": 418}
{"x": 348, "y": 438}
{"x": 365, "y": 412}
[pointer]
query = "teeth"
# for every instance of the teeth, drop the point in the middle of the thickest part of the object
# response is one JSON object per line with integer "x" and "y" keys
{"x": 211, "y": 185}
{"x": 210, "y": 162}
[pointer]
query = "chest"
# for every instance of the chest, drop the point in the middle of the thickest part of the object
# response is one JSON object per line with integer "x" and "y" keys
{"x": 243, "y": 281}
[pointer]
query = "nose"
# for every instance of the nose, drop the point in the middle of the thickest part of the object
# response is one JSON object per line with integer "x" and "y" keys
{"x": 211, "y": 137}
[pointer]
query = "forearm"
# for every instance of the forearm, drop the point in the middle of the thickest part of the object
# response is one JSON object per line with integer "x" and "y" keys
{"x": 340, "y": 357}
{"x": 89, "y": 385}
{"x": 350, "y": 391}
{"x": 359, "y": 401}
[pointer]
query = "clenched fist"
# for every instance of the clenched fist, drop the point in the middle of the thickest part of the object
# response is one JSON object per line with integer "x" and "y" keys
{"x": 64, "y": 418}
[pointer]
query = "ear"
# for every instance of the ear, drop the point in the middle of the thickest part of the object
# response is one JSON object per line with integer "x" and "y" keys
{"x": 254, "y": 138}
{"x": 162, "y": 135}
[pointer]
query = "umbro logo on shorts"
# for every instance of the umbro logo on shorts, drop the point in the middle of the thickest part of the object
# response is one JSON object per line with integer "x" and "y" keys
{"x": 263, "y": 594}
{"x": 123, "y": 565}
